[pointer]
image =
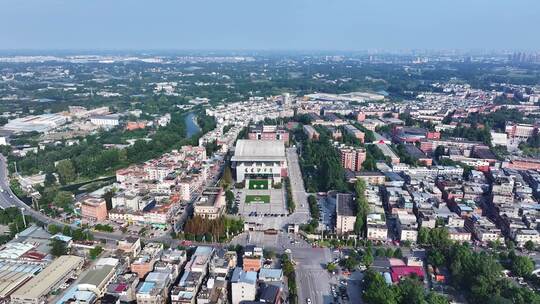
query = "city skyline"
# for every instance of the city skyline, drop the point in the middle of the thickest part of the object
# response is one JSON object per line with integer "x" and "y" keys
{"x": 280, "y": 25}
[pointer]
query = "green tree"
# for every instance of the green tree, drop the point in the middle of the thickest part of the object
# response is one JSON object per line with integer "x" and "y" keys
{"x": 107, "y": 196}
{"x": 66, "y": 231}
{"x": 58, "y": 248}
{"x": 529, "y": 245}
{"x": 16, "y": 188}
{"x": 362, "y": 206}
{"x": 522, "y": 266}
{"x": 331, "y": 267}
{"x": 95, "y": 252}
{"x": 314, "y": 207}
{"x": 350, "y": 263}
{"x": 423, "y": 236}
{"x": 439, "y": 237}
{"x": 66, "y": 171}
{"x": 54, "y": 229}
{"x": 411, "y": 290}
{"x": 291, "y": 206}
{"x": 288, "y": 271}
{"x": 448, "y": 118}
{"x": 269, "y": 254}
{"x": 439, "y": 151}
{"x": 104, "y": 227}
{"x": 64, "y": 199}
{"x": 379, "y": 252}
{"x": 50, "y": 180}
{"x": 227, "y": 179}
{"x": 80, "y": 235}
{"x": 435, "y": 298}
{"x": 376, "y": 290}
{"x": 231, "y": 206}
{"x": 367, "y": 258}
{"x": 436, "y": 258}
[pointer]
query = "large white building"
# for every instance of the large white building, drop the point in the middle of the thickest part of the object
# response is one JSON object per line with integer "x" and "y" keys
{"x": 105, "y": 121}
{"x": 260, "y": 159}
{"x": 36, "y": 123}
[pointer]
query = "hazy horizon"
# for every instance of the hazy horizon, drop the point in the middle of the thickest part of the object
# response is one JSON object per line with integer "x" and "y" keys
{"x": 280, "y": 25}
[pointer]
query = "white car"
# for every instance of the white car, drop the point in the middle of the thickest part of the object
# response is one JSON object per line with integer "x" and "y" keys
{"x": 308, "y": 301}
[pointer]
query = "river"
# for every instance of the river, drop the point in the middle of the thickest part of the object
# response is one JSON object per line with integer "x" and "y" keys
{"x": 192, "y": 127}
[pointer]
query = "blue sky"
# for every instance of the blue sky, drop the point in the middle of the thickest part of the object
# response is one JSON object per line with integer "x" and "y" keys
{"x": 270, "y": 24}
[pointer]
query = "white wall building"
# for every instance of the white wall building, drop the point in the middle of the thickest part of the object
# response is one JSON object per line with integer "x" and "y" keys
{"x": 105, "y": 121}
{"x": 243, "y": 286}
{"x": 260, "y": 159}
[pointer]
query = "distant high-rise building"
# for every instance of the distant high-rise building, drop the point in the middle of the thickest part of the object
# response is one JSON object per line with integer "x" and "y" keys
{"x": 522, "y": 57}
{"x": 286, "y": 98}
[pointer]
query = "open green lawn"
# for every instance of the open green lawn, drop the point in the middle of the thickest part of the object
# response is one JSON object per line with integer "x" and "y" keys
{"x": 257, "y": 199}
{"x": 258, "y": 184}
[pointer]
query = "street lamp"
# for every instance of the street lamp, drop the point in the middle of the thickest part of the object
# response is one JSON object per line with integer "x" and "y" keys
{"x": 24, "y": 219}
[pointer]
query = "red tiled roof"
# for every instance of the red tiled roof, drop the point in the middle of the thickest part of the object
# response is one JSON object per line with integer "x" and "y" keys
{"x": 404, "y": 271}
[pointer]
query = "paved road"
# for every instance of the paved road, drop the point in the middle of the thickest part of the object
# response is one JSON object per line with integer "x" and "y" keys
{"x": 9, "y": 199}
{"x": 277, "y": 242}
{"x": 297, "y": 186}
{"x": 6, "y": 196}
{"x": 312, "y": 279}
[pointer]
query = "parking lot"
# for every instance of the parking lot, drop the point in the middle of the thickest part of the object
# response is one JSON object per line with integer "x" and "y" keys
{"x": 346, "y": 289}
{"x": 271, "y": 214}
{"x": 328, "y": 211}
{"x": 275, "y": 204}
{"x": 278, "y": 242}
{"x": 312, "y": 279}
{"x": 274, "y": 214}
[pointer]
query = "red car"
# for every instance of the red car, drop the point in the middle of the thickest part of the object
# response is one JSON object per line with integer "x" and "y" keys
{"x": 186, "y": 243}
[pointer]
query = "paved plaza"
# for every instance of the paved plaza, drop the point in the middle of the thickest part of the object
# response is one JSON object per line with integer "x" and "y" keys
{"x": 274, "y": 214}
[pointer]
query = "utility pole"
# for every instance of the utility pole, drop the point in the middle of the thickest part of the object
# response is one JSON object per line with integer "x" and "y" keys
{"x": 24, "y": 219}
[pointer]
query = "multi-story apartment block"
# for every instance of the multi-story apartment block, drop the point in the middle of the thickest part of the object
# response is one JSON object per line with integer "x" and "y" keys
{"x": 94, "y": 209}
{"x": 352, "y": 158}
{"x": 345, "y": 213}
{"x": 268, "y": 132}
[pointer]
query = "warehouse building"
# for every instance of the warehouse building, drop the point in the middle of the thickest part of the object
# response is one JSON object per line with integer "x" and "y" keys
{"x": 54, "y": 275}
{"x": 36, "y": 123}
{"x": 13, "y": 275}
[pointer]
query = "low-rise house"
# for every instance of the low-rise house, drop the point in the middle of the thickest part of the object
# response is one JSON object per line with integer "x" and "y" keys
{"x": 124, "y": 287}
{"x": 211, "y": 203}
{"x": 144, "y": 262}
